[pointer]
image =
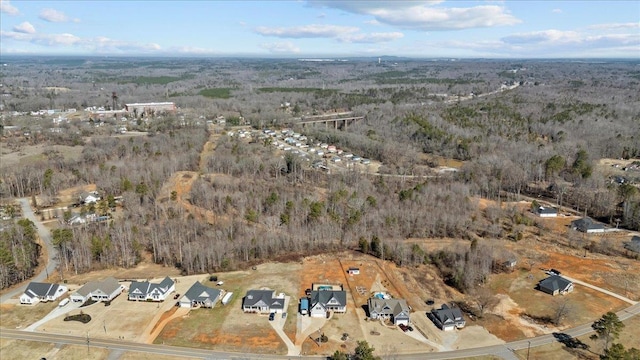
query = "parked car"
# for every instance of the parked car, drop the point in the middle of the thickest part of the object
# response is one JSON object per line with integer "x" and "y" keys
{"x": 176, "y": 296}
{"x": 272, "y": 316}
{"x": 409, "y": 327}
{"x": 403, "y": 327}
{"x": 284, "y": 315}
{"x": 63, "y": 302}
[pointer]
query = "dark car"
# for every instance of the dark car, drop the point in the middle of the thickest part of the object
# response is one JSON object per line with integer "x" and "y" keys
{"x": 409, "y": 327}
{"x": 403, "y": 327}
{"x": 176, "y": 296}
{"x": 430, "y": 302}
{"x": 272, "y": 316}
{"x": 554, "y": 271}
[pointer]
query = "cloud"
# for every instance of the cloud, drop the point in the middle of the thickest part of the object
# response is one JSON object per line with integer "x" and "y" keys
{"x": 371, "y": 38}
{"x": 283, "y": 47}
{"x": 557, "y": 11}
{"x": 307, "y": 31}
{"x": 545, "y": 36}
{"x": 25, "y": 28}
{"x": 425, "y": 15}
{"x": 615, "y": 26}
{"x": 372, "y": 22}
{"x": 97, "y": 44}
{"x": 52, "y": 15}
{"x": 7, "y": 8}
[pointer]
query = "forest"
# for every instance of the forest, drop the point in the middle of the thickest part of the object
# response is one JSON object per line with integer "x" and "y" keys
{"x": 535, "y": 128}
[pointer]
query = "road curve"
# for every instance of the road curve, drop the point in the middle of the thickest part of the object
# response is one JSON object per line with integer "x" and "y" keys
{"x": 497, "y": 350}
{"x": 45, "y": 236}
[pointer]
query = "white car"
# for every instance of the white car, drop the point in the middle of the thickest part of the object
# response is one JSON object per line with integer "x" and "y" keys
{"x": 63, "y": 302}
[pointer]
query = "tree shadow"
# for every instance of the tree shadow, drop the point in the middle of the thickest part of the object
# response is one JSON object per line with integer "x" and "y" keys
{"x": 573, "y": 346}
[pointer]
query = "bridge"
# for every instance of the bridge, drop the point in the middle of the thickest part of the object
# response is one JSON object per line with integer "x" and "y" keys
{"x": 337, "y": 123}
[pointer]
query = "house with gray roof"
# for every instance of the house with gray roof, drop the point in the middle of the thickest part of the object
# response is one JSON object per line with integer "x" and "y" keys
{"x": 546, "y": 211}
{"x": 146, "y": 291}
{"x": 37, "y": 292}
{"x": 448, "y": 318}
{"x": 396, "y": 310}
{"x": 323, "y": 301}
{"x": 587, "y": 225}
{"x": 555, "y": 284}
{"x": 199, "y": 295}
{"x": 633, "y": 245}
{"x": 102, "y": 290}
{"x": 263, "y": 301}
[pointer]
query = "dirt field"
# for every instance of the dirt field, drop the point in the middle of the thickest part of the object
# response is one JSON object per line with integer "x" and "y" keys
{"x": 16, "y": 316}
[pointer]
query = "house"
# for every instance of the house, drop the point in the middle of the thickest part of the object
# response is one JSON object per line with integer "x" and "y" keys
{"x": 146, "y": 291}
{"x": 587, "y": 225}
{"x": 555, "y": 284}
{"x": 396, "y": 310}
{"x": 448, "y": 318}
{"x": 544, "y": 211}
{"x": 263, "y": 301}
{"x": 323, "y": 301}
{"x": 89, "y": 197}
{"x": 77, "y": 220}
{"x": 633, "y": 245}
{"x": 37, "y": 291}
{"x": 353, "y": 271}
{"x": 103, "y": 290}
{"x": 199, "y": 295}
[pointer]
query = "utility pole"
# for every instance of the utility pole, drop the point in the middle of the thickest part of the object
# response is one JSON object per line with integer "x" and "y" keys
{"x": 528, "y": 349}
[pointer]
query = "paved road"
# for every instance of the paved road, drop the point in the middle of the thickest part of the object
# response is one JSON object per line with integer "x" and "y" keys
{"x": 45, "y": 236}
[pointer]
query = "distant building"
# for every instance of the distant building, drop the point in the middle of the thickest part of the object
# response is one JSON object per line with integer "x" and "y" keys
{"x": 555, "y": 284}
{"x": 587, "y": 225}
{"x": 149, "y": 109}
{"x": 544, "y": 211}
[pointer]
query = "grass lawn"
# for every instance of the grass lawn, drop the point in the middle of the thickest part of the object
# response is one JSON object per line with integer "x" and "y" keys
{"x": 11, "y": 349}
{"x": 21, "y": 316}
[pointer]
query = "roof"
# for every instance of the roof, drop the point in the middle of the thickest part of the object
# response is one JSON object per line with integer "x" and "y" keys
{"x": 395, "y": 307}
{"x": 546, "y": 210}
{"x": 107, "y": 286}
{"x": 447, "y": 315}
{"x": 330, "y": 297}
{"x": 150, "y": 104}
{"x": 263, "y": 298}
{"x": 201, "y": 293}
{"x": 38, "y": 289}
{"x": 586, "y": 224}
{"x": 554, "y": 283}
{"x": 145, "y": 287}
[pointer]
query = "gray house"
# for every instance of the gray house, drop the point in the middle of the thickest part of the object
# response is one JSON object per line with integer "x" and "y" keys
{"x": 555, "y": 284}
{"x": 447, "y": 318}
{"x": 103, "y": 290}
{"x": 544, "y": 211}
{"x": 323, "y": 301}
{"x": 263, "y": 301}
{"x": 143, "y": 291}
{"x": 587, "y": 225}
{"x": 395, "y": 309}
{"x": 200, "y": 295}
{"x": 633, "y": 245}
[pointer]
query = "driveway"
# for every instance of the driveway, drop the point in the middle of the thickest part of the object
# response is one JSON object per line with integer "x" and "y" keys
{"x": 58, "y": 311}
{"x": 278, "y": 324}
{"x": 45, "y": 236}
{"x": 605, "y": 291}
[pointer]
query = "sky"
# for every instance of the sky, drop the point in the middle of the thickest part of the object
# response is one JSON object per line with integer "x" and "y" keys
{"x": 323, "y": 28}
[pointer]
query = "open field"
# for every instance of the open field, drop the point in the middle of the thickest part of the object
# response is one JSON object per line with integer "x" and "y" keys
{"x": 20, "y": 316}
{"x": 33, "y": 154}
{"x": 11, "y": 349}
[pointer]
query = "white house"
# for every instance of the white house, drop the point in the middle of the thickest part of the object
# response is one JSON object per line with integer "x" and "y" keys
{"x": 104, "y": 290}
{"x": 146, "y": 291}
{"x": 324, "y": 301}
{"x": 263, "y": 301}
{"x": 44, "y": 292}
{"x": 544, "y": 211}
